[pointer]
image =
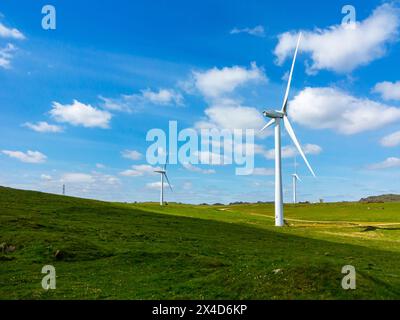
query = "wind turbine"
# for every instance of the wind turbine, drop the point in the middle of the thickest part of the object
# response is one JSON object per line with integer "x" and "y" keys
{"x": 295, "y": 178}
{"x": 163, "y": 173}
{"x": 277, "y": 116}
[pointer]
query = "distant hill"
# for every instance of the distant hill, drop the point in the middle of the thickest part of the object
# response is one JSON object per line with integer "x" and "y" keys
{"x": 382, "y": 198}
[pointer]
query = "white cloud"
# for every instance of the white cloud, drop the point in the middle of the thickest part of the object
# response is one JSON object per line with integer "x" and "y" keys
{"x": 228, "y": 114}
{"x": 131, "y": 154}
{"x": 331, "y": 108}
{"x": 6, "y": 54}
{"x": 46, "y": 177}
{"x": 216, "y": 82}
{"x": 186, "y": 186}
{"x": 12, "y": 33}
{"x": 291, "y": 151}
{"x": 43, "y": 126}
{"x": 100, "y": 166}
{"x": 193, "y": 168}
{"x": 391, "y": 140}
{"x": 342, "y": 49}
{"x": 124, "y": 103}
{"x": 28, "y": 157}
{"x": 94, "y": 178}
{"x": 139, "y": 170}
{"x": 263, "y": 172}
{"x": 105, "y": 179}
{"x": 74, "y": 177}
{"x": 156, "y": 185}
{"x": 136, "y": 102}
{"x": 163, "y": 97}
{"x": 212, "y": 158}
{"x": 388, "y": 90}
{"x": 388, "y": 163}
{"x": 79, "y": 114}
{"x": 225, "y": 112}
{"x": 257, "y": 31}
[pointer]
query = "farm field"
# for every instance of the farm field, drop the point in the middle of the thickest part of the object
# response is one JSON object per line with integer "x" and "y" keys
{"x": 107, "y": 250}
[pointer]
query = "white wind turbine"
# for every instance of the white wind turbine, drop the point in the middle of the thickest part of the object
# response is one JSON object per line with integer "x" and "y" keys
{"x": 163, "y": 173}
{"x": 276, "y": 118}
{"x": 295, "y": 178}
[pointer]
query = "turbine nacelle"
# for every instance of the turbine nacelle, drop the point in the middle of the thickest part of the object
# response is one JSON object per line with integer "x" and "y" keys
{"x": 294, "y": 175}
{"x": 274, "y": 114}
{"x": 161, "y": 171}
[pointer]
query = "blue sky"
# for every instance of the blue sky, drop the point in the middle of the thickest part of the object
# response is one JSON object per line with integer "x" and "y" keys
{"x": 82, "y": 97}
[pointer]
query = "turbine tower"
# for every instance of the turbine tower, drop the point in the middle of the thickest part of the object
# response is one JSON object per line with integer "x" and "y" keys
{"x": 278, "y": 116}
{"x": 163, "y": 173}
{"x": 295, "y": 178}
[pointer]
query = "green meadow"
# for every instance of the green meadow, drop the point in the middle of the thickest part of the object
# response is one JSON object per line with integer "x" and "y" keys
{"x": 107, "y": 250}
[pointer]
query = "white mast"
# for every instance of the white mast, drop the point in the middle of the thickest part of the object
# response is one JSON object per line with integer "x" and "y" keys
{"x": 276, "y": 117}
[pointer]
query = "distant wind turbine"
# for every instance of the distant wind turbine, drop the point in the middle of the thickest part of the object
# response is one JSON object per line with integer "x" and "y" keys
{"x": 276, "y": 117}
{"x": 295, "y": 178}
{"x": 163, "y": 173}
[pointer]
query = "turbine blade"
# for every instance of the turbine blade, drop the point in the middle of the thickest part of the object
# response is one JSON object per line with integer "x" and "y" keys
{"x": 289, "y": 129}
{"x": 297, "y": 177}
{"x": 166, "y": 178}
{"x": 166, "y": 161}
{"x": 285, "y": 100}
{"x": 270, "y": 123}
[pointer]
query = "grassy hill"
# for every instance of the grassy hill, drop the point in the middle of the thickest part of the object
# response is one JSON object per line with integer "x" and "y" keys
{"x": 382, "y": 198}
{"x": 144, "y": 251}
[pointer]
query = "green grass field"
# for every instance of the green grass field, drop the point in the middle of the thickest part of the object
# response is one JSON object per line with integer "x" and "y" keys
{"x": 144, "y": 251}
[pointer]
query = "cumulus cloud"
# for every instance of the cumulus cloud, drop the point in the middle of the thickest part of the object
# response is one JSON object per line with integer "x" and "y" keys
{"x": 163, "y": 97}
{"x": 217, "y": 86}
{"x": 193, "y": 168}
{"x": 107, "y": 179}
{"x": 291, "y": 151}
{"x": 263, "y": 172}
{"x": 76, "y": 177}
{"x": 136, "y": 102}
{"x": 79, "y": 114}
{"x": 6, "y": 54}
{"x": 156, "y": 185}
{"x": 230, "y": 114}
{"x": 123, "y": 103}
{"x": 46, "y": 177}
{"x": 89, "y": 179}
{"x": 257, "y": 31}
{"x": 140, "y": 170}
{"x": 131, "y": 154}
{"x": 12, "y": 33}
{"x": 388, "y": 90}
{"x": 212, "y": 158}
{"x": 43, "y": 126}
{"x": 342, "y": 49}
{"x": 391, "y": 140}
{"x": 28, "y": 157}
{"x": 387, "y": 164}
{"x": 331, "y": 108}
{"x": 215, "y": 82}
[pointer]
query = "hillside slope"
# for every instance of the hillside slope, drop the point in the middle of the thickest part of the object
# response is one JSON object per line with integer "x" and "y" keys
{"x": 382, "y": 198}
{"x": 120, "y": 251}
